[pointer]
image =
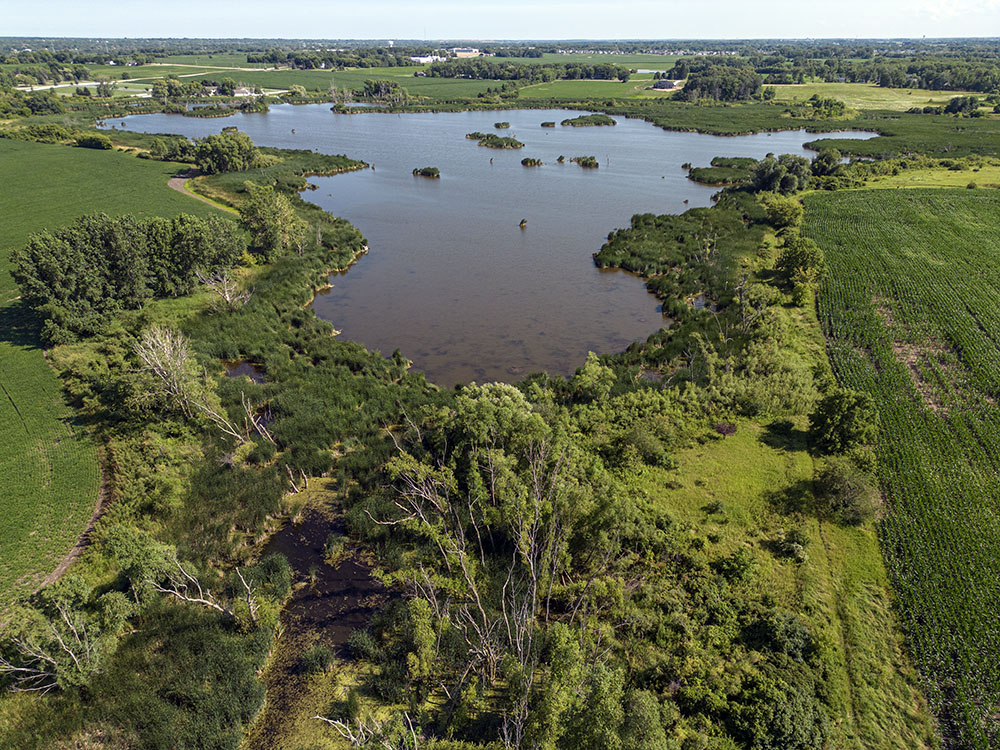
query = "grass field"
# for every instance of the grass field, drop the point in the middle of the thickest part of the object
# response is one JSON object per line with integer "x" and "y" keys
{"x": 987, "y": 176}
{"x": 865, "y": 95}
{"x": 911, "y": 309}
{"x": 49, "y": 473}
{"x": 225, "y": 59}
{"x": 842, "y": 587}
{"x": 637, "y": 85}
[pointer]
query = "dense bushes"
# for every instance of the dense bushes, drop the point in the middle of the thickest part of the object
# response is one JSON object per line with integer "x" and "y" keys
{"x": 94, "y": 140}
{"x": 78, "y": 277}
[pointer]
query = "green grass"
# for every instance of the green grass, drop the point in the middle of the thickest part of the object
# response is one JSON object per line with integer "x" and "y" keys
{"x": 911, "y": 310}
{"x": 48, "y": 465}
{"x": 637, "y": 85}
{"x": 841, "y": 589}
{"x": 865, "y": 95}
{"x": 225, "y": 59}
{"x": 986, "y": 176}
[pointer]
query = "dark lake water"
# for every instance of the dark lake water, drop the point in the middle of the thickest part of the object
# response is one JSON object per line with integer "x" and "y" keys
{"x": 452, "y": 280}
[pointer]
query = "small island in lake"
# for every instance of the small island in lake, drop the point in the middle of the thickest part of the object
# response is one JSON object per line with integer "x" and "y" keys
{"x": 589, "y": 121}
{"x": 733, "y": 170}
{"x": 548, "y": 124}
{"x": 530, "y": 161}
{"x": 492, "y": 140}
{"x": 427, "y": 172}
{"x": 587, "y": 162}
{"x": 501, "y": 125}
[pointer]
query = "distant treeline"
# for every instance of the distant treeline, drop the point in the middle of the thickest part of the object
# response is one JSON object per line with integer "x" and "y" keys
{"x": 945, "y": 72}
{"x": 366, "y": 57}
{"x": 491, "y": 69}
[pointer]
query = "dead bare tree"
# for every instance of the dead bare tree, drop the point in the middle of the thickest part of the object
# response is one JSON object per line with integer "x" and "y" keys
{"x": 64, "y": 643}
{"x": 227, "y": 288}
{"x": 180, "y": 583}
{"x": 363, "y": 732}
{"x": 166, "y": 355}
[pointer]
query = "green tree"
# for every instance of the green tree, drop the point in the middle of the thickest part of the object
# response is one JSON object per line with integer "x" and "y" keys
{"x": 843, "y": 420}
{"x": 827, "y": 163}
{"x": 787, "y": 174}
{"x": 226, "y": 87}
{"x": 271, "y": 222}
{"x": 597, "y": 722}
{"x": 643, "y": 729}
{"x": 225, "y": 152}
{"x": 782, "y": 211}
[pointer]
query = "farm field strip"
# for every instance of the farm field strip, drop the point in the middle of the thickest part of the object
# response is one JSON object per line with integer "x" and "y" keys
{"x": 49, "y": 475}
{"x": 911, "y": 310}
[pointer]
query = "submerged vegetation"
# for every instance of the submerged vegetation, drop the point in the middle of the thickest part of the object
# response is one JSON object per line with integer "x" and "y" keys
{"x": 587, "y": 162}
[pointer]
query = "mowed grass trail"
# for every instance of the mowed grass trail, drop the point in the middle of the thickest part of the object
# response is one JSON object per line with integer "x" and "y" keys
{"x": 49, "y": 474}
{"x": 911, "y": 311}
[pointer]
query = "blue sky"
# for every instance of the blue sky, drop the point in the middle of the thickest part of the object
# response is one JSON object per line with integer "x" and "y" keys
{"x": 501, "y": 19}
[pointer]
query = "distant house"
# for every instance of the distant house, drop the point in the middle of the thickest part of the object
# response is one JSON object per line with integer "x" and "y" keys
{"x": 425, "y": 59}
{"x": 665, "y": 83}
{"x": 465, "y": 52}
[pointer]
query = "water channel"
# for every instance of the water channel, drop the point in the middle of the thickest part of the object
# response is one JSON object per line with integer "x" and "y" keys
{"x": 452, "y": 280}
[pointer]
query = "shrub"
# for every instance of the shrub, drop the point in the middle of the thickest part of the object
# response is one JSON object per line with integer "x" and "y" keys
{"x": 94, "y": 140}
{"x": 316, "y": 659}
{"x": 843, "y": 420}
{"x": 846, "y": 492}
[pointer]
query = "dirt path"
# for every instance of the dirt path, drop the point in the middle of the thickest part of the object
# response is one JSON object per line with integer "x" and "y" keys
{"x": 179, "y": 184}
{"x": 84, "y": 541}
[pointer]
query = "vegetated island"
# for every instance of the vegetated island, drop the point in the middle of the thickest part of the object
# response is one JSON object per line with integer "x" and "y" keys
{"x": 492, "y": 140}
{"x": 734, "y": 170}
{"x": 426, "y": 172}
{"x": 587, "y": 162}
{"x": 501, "y": 125}
{"x": 549, "y": 124}
{"x": 530, "y": 161}
{"x": 589, "y": 121}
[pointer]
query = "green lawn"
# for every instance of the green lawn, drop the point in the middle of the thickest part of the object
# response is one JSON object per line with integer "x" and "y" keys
{"x": 49, "y": 474}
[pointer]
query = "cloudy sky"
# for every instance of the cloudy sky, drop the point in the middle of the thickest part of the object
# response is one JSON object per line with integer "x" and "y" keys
{"x": 502, "y": 19}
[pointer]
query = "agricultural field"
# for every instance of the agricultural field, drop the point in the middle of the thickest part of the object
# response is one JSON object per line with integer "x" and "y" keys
{"x": 637, "y": 85}
{"x": 49, "y": 475}
{"x": 865, "y": 95}
{"x": 911, "y": 310}
{"x": 226, "y": 59}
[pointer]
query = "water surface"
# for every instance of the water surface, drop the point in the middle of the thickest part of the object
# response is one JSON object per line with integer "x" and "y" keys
{"x": 452, "y": 280}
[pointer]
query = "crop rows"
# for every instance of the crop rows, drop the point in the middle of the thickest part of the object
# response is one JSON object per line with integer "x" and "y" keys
{"x": 911, "y": 311}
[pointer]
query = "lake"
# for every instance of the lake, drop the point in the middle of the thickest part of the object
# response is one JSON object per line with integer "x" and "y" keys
{"x": 451, "y": 279}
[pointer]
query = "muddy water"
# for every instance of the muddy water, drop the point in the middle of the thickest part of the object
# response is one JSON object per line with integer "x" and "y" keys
{"x": 452, "y": 280}
{"x": 336, "y": 599}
